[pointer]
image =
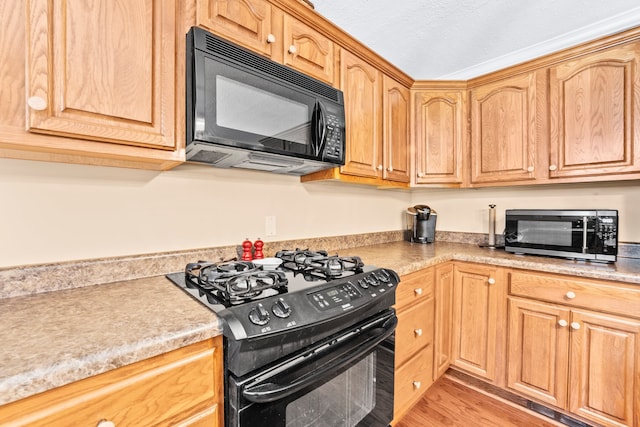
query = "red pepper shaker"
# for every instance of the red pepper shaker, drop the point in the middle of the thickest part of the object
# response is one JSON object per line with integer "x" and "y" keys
{"x": 258, "y": 244}
{"x": 246, "y": 250}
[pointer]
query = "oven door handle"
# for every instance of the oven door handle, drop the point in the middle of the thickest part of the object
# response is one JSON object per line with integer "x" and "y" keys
{"x": 271, "y": 391}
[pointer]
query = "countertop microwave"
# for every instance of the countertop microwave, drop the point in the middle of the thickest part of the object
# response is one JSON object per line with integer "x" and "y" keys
{"x": 246, "y": 111}
{"x": 588, "y": 234}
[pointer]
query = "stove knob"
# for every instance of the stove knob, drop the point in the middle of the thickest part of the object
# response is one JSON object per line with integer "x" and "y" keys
{"x": 259, "y": 315}
{"x": 363, "y": 283}
{"x": 281, "y": 309}
{"x": 372, "y": 280}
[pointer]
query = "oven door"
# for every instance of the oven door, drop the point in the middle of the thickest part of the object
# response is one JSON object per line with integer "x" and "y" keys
{"x": 346, "y": 380}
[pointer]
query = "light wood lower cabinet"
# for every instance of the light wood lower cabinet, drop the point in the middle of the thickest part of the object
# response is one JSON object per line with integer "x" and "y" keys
{"x": 180, "y": 388}
{"x": 479, "y": 296}
{"x": 414, "y": 339}
{"x": 442, "y": 337}
{"x": 583, "y": 361}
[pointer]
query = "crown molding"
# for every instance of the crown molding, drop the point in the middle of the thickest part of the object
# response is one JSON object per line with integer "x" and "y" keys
{"x": 605, "y": 27}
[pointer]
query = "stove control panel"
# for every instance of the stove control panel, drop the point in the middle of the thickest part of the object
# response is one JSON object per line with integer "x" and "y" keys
{"x": 336, "y": 296}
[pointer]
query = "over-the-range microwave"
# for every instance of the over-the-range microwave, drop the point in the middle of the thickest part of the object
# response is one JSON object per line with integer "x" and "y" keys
{"x": 247, "y": 111}
{"x": 569, "y": 233}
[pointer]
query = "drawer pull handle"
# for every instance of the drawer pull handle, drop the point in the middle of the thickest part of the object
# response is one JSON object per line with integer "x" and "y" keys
{"x": 105, "y": 423}
{"x": 562, "y": 323}
{"x": 570, "y": 295}
{"x": 418, "y": 332}
{"x": 417, "y": 291}
{"x": 575, "y": 326}
{"x": 491, "y": 281}
{"x": 416, "y": 385}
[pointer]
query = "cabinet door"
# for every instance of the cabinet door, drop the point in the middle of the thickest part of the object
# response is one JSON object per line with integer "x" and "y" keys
{"x": 538, "y": 346}
{"x": 443, "y": 319}
{"x": 477, "y": 313}
{"x": 504, "y": 130}
{"x": 101, "y": 72}
{"x": 395, "y": 131}
{"x": 360, "y": 83}
{"x": 307, "y": 50}
{"x": 595, "y": 114}
{"x": 245, "y": 22}
{"x": 605, "y": 369}
{"x": 439, "y": 136}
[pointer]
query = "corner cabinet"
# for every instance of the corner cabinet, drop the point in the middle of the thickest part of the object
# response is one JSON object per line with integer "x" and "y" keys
{"x": 505, "y": 133}
{"x": 439, "y": 121}
{"x": 479, "y": 313}
{"x": 100, "y": 84}
{"x": 575, "y": 344}
{"x": 595, "y": 115}
{"x": 183, "y": 387}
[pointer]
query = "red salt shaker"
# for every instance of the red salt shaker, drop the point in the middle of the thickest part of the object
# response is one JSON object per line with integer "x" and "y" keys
{"x": 258, "y": 245}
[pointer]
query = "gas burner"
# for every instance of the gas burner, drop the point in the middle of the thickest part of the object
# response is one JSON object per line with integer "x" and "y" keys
{"x": 319, "y": 263}
{"x": 233, "y": 282}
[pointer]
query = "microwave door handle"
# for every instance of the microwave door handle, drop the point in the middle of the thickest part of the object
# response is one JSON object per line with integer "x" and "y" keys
{"x": 271, "y": 391}
{"x": 585, "y": 226}
{"x": 319, "y": 129}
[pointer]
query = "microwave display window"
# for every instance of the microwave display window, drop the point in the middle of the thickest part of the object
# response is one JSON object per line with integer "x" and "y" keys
{"x": 556, "y": 233}
{"x": 249, "y": 109}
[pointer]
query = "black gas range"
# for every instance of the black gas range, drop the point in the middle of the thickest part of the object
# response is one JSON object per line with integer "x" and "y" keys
{"x": 314, "y": 310}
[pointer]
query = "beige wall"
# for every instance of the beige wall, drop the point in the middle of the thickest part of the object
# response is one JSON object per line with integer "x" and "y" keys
{"x": 56, "y": 212}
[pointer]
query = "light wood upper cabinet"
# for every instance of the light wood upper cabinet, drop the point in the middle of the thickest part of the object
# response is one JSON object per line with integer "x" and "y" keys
{"x": 263, "y": 28}
{"x": 308, "y": 51}
{"x": 94, "y": 85}
{"x": 440, "y": 132}
{"x": 360, "y": 83}
{"x": 245, "y": 22}
{"x": 504, "y": 129}
{"x": 102, "y": 72}
{"x": 595, "y": 114}
{"x": 479, "y": 314}
{"x": 396, "y": 140}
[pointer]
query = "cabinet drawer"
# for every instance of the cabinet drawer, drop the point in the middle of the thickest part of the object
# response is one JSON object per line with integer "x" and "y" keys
{"x": 414, "y": 287}
{"x": 182, "y": 387}
{"x": 411, "y": 380}
{"x": 596, "y": 295}
{"x": 415, "y": 329}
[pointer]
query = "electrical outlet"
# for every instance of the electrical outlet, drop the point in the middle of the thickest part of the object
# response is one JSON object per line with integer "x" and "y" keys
{"x": 270, "y": 225}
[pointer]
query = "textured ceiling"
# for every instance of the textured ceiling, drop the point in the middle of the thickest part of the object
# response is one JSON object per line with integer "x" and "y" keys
{"x": 460, "y": 39}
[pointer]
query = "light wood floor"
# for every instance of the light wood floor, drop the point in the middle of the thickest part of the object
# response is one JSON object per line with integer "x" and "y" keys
{"x": 452, "y": 404}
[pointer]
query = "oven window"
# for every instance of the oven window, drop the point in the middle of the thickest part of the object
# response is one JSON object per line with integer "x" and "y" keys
{"x": 246, "y": 108}
{"x": 555, "y": 233}
{"x": 343, "y": 401}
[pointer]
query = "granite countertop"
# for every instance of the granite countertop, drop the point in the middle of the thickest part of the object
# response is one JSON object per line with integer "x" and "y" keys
{"x": 54, "y": 338}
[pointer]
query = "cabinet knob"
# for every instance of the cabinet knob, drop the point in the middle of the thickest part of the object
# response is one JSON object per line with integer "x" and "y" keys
{"x": 562, "y": 323}
{"x": 105, "y": 423}
{"x": 271, "y": 38}
{"x": 420, "y": 175}
{"x": 389, "y": 169}
{"x": 417, "y": 291}
{"x": 292, "y": 49}
{"x": 530, "y": 169}
{"x": 552, "y": 167}
{"x": 416, "y": 384}
{"x": 575, "y": 326}
{"x": 418, "y": 332}
{"x": 37, "y": 103}
{"x": 379, "y": 167}
{"x": 570, "y": 295}
{"x": 491, "y": 281}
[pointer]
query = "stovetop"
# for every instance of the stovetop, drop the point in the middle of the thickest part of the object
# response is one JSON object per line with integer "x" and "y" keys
{"x": 309, "y": 287}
